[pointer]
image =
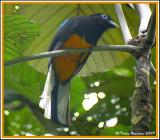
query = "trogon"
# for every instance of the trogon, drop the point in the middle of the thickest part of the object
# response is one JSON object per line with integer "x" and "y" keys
{"x": 75, "y": 32}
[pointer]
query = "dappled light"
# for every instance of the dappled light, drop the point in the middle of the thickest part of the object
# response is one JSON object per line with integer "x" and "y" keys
{"x": 76, "y": 114}
{"x": 97, "y": 83}
{"x": 48, "y": 135}
{"x": 89, "y": 118}
{"x": 101, "y": 93}
{"x": 6, "y": 112}
{"x": 66, "y": 129}
{"x": 16, "y": 7}
{"x": 101, "y": 124}
{"x": 89, "y": 101}
{"x": 112, "y": 122}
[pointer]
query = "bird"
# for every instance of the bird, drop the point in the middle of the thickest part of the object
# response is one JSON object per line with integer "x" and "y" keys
{"x": 74, "y": 32}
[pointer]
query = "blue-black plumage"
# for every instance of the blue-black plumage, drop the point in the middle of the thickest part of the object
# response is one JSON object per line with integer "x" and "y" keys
{"x": 75, "y": 32}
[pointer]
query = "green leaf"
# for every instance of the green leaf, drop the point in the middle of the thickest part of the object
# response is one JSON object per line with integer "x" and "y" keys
{"x": 23, "y": 79}
{"x": 113, "y": 70}
{"x": 77, "y": 94}
{"x": 22, "y": 122}
{"x": 19, "y": 33}
{"x": 51, "y": 16}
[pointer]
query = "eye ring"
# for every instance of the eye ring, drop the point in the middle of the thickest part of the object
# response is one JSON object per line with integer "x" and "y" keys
{"x": 104, "y": 16}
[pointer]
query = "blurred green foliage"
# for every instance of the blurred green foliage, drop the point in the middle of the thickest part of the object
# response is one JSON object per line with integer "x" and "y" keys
{"x": 111, "y": 90}
{"x": 19, "y": 34}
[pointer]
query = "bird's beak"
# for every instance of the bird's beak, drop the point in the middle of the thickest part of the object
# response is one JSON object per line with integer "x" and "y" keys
{"x": 113, "y": 24}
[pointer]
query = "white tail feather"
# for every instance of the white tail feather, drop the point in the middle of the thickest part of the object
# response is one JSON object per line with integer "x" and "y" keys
{"x": 62, "y": 106}
{"x": 45, "y": 102}
{"x": 47, "y": 111}
{"x": 63, "y": 102}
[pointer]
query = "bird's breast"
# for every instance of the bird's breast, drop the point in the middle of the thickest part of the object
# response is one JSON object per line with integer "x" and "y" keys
{"x": 66, "y": 65}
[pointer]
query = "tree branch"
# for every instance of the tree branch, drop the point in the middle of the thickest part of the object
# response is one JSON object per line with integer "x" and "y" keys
{"x": 123, "y": 48}
{"x": 145, "y": 13}
{"x": 153, "y": 71}
{"x": 123, "y": 24}
{"x": 151, "y": 30}
{"x": 141, "y": 101}
{"x": 151, "y": 39}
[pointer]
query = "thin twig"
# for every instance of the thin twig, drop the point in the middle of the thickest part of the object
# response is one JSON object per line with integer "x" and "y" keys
{"x": 123, "y": 48}
{"x": 145, "y": 14}
{"x": 153, "y": 71}
{"x": 151, "y": 29}
{"x": 124, "y": 27}
{"x": 151, "y": 39}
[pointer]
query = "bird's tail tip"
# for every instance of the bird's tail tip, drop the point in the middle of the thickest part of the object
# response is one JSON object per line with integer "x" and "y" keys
{"x": 55, "y": 100}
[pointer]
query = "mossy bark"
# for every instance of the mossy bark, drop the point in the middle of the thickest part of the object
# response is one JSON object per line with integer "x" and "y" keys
{"x": 141, "y": 100}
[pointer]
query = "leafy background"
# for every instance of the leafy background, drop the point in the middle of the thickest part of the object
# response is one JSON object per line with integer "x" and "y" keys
{"x": 106, "y": 82}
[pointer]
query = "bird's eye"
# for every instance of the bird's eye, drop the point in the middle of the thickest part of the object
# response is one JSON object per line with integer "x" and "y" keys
{"x": 104, "y": 16}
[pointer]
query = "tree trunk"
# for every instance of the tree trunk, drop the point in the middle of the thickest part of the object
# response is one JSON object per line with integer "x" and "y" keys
{"x": 141, "y": 100}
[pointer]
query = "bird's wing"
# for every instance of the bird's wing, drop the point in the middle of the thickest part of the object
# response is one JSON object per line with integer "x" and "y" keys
{"x": 66, "y": 29}
{"x": 67, "y": 66}
{"x": 64, "y": 32}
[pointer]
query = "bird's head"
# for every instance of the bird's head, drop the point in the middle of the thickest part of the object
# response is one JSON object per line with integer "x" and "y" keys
{"x": 103, "y": 20}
